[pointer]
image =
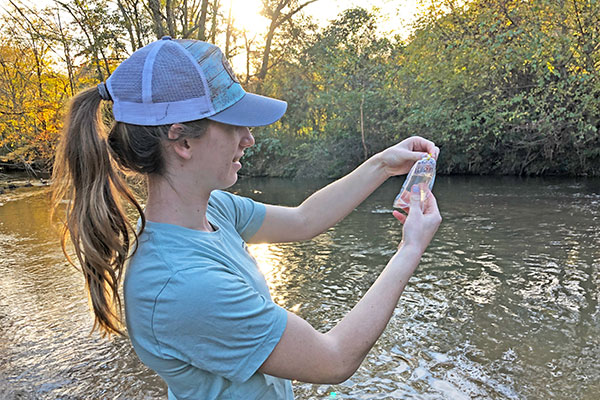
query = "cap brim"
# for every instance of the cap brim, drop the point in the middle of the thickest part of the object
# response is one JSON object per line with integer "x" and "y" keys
{"x": 252, "y": 110}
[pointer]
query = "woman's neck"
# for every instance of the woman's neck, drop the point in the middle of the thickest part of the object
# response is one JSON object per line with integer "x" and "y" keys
{"x": 183, "y": 206}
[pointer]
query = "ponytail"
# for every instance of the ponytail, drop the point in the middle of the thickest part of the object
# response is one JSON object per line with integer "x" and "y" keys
{"x": 85, "y": 175}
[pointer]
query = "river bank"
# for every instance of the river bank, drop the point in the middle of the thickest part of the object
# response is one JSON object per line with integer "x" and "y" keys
{"x": 16, "y": 180}
{"x": 6, "y": 186}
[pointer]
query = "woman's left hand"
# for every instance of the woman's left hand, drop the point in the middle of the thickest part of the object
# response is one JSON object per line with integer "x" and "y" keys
{"x": 398, "y": 159}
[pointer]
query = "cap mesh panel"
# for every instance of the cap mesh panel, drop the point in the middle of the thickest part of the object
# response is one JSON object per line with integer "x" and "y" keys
{"x": 174, "y": 77}
{"x": 126, "y": 82}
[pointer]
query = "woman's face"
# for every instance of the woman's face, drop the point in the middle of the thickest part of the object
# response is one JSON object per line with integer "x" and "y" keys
{"x": 217, "y": 153}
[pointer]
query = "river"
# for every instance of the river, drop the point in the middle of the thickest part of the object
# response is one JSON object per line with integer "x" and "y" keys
{"x": 505, "y": 303}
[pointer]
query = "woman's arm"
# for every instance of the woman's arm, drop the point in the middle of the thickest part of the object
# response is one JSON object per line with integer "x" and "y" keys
{"x": 310, "y": 356}
{"x": 328, "y": 206}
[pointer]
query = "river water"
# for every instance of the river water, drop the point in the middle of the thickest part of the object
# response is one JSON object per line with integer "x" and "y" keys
{"x": 505, "y": 303}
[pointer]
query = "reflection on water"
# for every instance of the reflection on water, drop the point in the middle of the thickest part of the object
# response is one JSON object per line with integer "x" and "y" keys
{"x": 504, "y": 305}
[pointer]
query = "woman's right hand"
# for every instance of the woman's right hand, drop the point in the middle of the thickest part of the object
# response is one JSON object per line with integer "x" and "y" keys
{"x": 422, "y": 221}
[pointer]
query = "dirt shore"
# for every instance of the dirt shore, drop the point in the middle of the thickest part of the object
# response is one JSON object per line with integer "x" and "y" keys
{"x": 13, "y": 181}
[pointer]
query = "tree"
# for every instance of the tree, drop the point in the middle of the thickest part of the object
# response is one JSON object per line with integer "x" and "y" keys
{"x": 181, "y": 19}
{"x": 96, "y": 22}
{"x": 338, "y": 91}
{"x": 31, "y": 106}
{"x": 135, "y": 21}
{"x": 507, "y": 86}
{"x": 278, "y": 12}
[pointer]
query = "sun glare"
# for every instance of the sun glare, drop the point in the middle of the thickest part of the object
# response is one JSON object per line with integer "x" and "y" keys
{"x": 396, "y": 16}
{"x": 246, "y": 16}
{"x": 270, "y": 261}
{"x": 264, "y": 257}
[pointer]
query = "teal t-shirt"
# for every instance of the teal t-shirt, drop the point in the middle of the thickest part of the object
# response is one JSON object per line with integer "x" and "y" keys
{"x": 198, "y": 309}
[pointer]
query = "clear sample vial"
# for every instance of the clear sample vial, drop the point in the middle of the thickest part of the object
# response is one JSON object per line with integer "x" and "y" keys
{"x": 421, "y": 174}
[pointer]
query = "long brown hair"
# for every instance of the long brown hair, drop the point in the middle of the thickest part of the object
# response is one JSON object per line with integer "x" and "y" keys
{"x": 89, "y": 173}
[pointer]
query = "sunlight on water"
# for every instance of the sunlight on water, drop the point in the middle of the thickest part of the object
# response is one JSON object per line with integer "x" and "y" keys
{"x": 267, "y": 259}
{"x": 505, "y": 303}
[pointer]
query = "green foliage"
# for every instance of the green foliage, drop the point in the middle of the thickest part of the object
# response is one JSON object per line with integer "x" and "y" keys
{"x": 502, "y": 87}
{"x": 511, "y": 87}
{"x": 341, "y": 70}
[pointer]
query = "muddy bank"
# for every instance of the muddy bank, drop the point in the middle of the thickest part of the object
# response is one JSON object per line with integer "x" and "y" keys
{"x": 12, "y": 181}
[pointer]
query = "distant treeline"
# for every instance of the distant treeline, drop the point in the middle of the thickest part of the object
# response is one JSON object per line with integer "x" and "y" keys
{"x": 502, "y": 86}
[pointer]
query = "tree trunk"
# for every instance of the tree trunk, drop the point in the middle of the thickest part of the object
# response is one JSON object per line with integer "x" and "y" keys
{"x": 266, "y": 54}
{"x": 128, "y": 24}
{"x": 228, "y": 31}
{"x": 154, "y": 6}
{"x": 40, "y": 85}
{"x": 67, "y": 57}
{"x": 247, "y": 44}
{"x": 276, "y": 20}
{"x": 362, "y": 128}
{"x": 170, "y": 18}
{"x": 213, "y": 27}
{"x": 202, "y": 21}
{"x": 185, "y": 20}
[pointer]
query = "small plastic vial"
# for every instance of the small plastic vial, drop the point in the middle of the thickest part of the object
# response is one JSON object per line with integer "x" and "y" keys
{"x": 421, "y": 174}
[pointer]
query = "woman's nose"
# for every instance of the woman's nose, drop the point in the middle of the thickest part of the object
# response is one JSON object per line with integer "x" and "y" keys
{"x": 247, "y": 139}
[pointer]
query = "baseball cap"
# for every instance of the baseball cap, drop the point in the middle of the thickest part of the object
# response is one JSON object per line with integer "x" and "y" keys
{"x": 181, "y": 80}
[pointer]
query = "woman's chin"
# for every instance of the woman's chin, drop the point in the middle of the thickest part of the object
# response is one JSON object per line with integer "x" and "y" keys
{"x": 233, "y": 178}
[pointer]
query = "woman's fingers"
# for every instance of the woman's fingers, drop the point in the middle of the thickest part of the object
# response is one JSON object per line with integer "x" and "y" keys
{"x": 415, "y": 199}
{"x": 399, "y": 216}
{"x": 421, "y": 144}
{"x": 432, "y": 214}
{"x": 430, "y": 206}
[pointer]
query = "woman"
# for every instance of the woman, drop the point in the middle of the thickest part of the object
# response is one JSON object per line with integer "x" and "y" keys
{"x": 197, "y": 309}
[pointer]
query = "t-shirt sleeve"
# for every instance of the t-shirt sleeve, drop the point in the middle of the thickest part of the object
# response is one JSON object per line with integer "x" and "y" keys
{"x": 246, "y": 214}
{"x": 210, "y": 318}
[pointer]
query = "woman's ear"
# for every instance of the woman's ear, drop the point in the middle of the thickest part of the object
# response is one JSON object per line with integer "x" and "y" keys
{"x": 180, "y": 145}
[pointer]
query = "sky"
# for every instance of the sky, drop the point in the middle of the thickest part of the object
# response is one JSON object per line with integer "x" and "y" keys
{"x": 396, "y": 14}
